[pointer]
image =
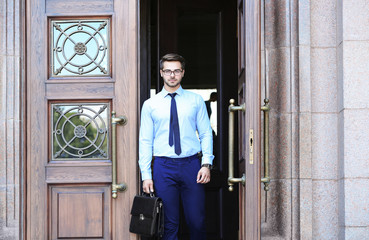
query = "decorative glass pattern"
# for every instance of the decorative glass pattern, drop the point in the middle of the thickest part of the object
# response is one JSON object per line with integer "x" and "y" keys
{"x": 80, "y": 131}
{"x": 80, "y": 47}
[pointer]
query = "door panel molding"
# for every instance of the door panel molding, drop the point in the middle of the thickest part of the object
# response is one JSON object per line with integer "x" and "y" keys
{"x": 87, "y": 206}
{"x": 80, "y": 90}
{"x": 78, "y": 174}
{"x": 78, "y": 7}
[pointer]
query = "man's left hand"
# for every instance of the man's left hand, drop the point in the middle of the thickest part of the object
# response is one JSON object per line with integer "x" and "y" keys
{"x": 204, "y": 175}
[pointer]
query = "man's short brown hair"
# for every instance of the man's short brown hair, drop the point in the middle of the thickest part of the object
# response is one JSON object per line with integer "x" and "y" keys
{"x": 172, "y": 57}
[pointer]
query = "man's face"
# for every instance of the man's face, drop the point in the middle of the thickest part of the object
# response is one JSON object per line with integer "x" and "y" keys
{"x": 172, "y": 75}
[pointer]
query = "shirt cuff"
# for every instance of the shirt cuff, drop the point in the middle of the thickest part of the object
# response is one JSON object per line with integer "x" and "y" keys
{"x": 146, "y": 175}
{"x": 207, "y": 161}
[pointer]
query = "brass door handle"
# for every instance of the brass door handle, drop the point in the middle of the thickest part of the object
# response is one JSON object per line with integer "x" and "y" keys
{"x": 231, "y": 178}
{"x": 115, "y": 188}
{"x": 266, "y": 178}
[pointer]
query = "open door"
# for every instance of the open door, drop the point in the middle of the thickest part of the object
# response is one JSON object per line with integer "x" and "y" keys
{"x": 249, "y": 137}
{"x": 81, "y": 67}
{"x": 205, "y": 34}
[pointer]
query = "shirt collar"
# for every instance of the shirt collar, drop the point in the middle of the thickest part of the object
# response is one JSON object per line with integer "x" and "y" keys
{"x": 179, "y": 91}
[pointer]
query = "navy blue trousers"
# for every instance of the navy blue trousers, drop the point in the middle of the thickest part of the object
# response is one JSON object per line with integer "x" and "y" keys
{"x": 175, "y": 180}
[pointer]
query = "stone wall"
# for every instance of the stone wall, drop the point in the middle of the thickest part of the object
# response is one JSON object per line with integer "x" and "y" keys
{"x": 11, "y": 117}
{"x": 353, "y": 117}
{"x": 318, "y": 71}
{"x": 324, "y": 128}
{"x": 305, "y": 118}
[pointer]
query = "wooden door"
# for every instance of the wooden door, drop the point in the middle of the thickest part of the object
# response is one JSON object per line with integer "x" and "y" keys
{"x": 81, "y": 66}
{"x": 249, "y": 120}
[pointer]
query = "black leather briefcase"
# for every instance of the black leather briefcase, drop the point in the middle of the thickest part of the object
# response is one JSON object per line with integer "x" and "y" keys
{"x": 147, "y": 216}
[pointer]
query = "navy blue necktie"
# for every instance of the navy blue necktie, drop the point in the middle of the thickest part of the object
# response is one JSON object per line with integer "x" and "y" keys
{"x": 174, "y": 126}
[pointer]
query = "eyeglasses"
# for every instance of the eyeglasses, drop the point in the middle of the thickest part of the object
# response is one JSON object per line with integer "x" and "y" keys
{"x": 176, "y": 72}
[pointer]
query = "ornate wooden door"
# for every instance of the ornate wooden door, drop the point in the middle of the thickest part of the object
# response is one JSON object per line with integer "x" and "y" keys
{"x": 81, "y": 66}
{"x": 248, "y": 119}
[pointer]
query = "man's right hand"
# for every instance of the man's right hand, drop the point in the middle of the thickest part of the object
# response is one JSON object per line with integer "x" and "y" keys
{"x": 148, "y": 186}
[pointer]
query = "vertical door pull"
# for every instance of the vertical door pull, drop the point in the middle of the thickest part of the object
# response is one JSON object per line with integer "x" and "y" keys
{"x": 231, "y": 179}
{"x": 266, "y": 178}
{"x": 121, "y": 187}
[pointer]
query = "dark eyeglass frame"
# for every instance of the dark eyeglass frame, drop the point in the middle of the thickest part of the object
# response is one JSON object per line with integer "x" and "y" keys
{"x": 168, "y": 72}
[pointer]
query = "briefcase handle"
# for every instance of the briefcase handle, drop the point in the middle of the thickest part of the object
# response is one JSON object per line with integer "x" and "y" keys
{"x": 151, "y": 194}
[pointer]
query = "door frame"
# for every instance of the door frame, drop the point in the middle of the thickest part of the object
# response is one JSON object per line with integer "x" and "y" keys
{"x": 250, "y": 224}
{"x": 225, "y": 91}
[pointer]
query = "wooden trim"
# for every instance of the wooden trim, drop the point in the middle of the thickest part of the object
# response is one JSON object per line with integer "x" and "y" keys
{"x": 88, "y": 14}
{"x": 54, "y": 6}
{"x": 23, "y": 107}
{"x": 126, "y": 87}
{"x": 35, "y": 176}
{"x": 72, "y": 80}
{"x": 253, "y": 117}
{"x": 56, "y": 91}
{"x": 78, "y": 174}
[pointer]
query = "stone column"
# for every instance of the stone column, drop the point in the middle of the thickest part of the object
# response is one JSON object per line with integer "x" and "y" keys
{"x": 324, "y": 119}
{"x": 353, "y": 118}
{"x": 11, "y": 117}
{"x": 281, "y": 220}
{"x": 305, "y": 160}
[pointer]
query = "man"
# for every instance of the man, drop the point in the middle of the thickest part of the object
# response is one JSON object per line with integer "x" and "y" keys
{"x": 175, "y": 127}
{"x": 213, "y": 98}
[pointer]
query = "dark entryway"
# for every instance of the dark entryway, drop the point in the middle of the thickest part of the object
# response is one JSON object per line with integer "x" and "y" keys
{"x": 204, "y": 32}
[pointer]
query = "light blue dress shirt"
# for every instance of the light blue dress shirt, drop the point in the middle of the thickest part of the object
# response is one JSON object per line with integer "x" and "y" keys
{"x": 154, "y": 131}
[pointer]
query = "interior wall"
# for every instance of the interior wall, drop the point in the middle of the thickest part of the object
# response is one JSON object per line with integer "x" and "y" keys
{"x": 11, "y": 117}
